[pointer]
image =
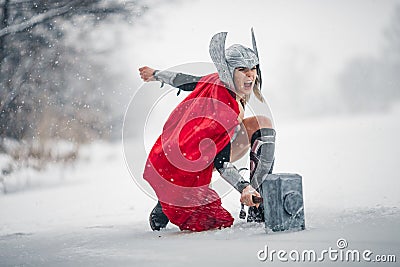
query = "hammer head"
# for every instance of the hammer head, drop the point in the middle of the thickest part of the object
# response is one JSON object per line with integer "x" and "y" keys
{"x": 283, "y": 202}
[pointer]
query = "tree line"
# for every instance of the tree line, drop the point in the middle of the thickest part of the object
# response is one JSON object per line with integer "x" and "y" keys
{"x": 47, "y": 88}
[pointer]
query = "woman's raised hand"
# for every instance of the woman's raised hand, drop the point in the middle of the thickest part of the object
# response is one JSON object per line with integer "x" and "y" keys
{"x": 146, "y": 73}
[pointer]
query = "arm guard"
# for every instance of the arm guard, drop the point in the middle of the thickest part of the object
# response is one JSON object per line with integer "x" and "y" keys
{"x": 233, "y": 177}
{"x": 182, "y": 81}
{"x": 165, "y": 76}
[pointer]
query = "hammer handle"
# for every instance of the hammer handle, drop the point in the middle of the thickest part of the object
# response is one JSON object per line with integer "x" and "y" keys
{"x": 257, "y": 200}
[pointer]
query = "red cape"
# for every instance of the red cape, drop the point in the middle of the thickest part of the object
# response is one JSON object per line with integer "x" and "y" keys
{"x": 180, "y": 164}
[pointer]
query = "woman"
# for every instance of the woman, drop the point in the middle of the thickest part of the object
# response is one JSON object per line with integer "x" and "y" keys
{"x": 208, "y": 131}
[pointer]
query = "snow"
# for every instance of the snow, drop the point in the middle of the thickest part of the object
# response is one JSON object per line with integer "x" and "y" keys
{"x": 97, "y": 215}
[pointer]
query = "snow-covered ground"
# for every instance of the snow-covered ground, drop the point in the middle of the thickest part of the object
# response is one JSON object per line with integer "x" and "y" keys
{"x": 97, "y": 215}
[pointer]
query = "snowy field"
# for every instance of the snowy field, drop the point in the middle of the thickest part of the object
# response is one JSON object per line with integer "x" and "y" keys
{"x": 97, "y": 216}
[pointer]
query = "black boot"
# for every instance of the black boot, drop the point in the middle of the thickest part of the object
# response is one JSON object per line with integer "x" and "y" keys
{"x": 256, "y": 214}
{"x": 157, "y": 218}
{"x": 261, "y": 163}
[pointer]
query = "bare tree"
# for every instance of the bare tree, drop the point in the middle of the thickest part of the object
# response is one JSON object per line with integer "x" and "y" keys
{"x": 39, "y": 70}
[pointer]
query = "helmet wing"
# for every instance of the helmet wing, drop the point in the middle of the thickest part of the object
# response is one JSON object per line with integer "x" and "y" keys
{"x": 217, "y": 53}
{"x": 253, "y": 39}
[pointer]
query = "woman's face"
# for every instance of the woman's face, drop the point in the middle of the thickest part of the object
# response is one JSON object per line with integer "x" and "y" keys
{"x": 244, "y": 79}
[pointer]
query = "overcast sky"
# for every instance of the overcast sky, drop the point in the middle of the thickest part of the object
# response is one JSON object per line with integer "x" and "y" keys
{"x": 303, "y": 44}
{"x": 332, "y": 31}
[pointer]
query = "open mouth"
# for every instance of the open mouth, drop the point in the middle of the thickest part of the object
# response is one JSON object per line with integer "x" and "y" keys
{"x": 248, "y": 84}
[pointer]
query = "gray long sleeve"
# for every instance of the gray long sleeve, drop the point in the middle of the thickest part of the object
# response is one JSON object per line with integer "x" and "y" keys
{"x": 178, "y": 80}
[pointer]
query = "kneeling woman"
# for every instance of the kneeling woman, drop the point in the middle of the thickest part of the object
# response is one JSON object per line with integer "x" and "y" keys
{"x": 207, "y": 131}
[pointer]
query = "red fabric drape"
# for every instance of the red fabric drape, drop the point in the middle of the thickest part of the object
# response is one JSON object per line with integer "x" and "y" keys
{"x": 180, "y": 164}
